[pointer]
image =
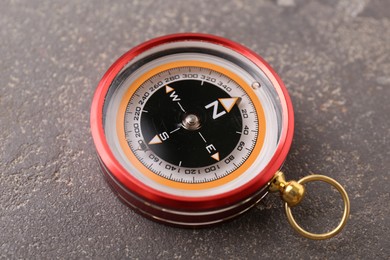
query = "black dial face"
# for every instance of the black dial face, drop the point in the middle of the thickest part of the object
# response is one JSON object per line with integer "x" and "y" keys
{"x": 189, "y": 123}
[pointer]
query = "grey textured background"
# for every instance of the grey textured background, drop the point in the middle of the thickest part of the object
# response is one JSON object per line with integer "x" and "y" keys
{"x": 333, "y": 56}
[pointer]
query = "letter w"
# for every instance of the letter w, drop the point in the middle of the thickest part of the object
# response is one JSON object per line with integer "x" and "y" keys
{"x": 174, "y": 96}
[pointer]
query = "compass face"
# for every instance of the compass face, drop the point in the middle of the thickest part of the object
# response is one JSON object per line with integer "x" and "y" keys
{"x": 190, "y": 125}
{"x": 198, "y": 125}
{"x": 183, "y": 130}
{"x": 190, "y": 119}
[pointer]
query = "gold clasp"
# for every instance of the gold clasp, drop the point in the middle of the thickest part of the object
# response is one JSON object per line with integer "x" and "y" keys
{"x": 292, "y": 193}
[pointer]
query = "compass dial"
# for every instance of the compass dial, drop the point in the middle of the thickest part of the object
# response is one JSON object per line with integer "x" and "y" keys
{"x": 195, "y": 124}
{"x": 190, "y": 124}
{"x": 190, "y": 128}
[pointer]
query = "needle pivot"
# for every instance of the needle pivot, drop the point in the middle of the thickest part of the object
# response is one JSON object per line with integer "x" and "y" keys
{"x": 191, "y": 122}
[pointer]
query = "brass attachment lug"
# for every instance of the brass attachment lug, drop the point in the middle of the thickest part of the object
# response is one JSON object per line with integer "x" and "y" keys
{"x": 291, "y": 192}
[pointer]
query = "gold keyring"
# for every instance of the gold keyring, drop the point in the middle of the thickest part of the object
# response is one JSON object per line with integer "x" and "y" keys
{"x": 343, "y": 221}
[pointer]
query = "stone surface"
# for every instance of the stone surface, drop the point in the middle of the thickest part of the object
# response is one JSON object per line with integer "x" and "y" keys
{"x": 333, "y": 56}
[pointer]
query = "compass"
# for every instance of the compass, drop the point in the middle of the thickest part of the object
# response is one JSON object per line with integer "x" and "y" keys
{"x": 190, "y": 129}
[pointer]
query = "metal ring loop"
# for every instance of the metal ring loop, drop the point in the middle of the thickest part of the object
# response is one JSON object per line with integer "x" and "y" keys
{"x": 343, "y": 221}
